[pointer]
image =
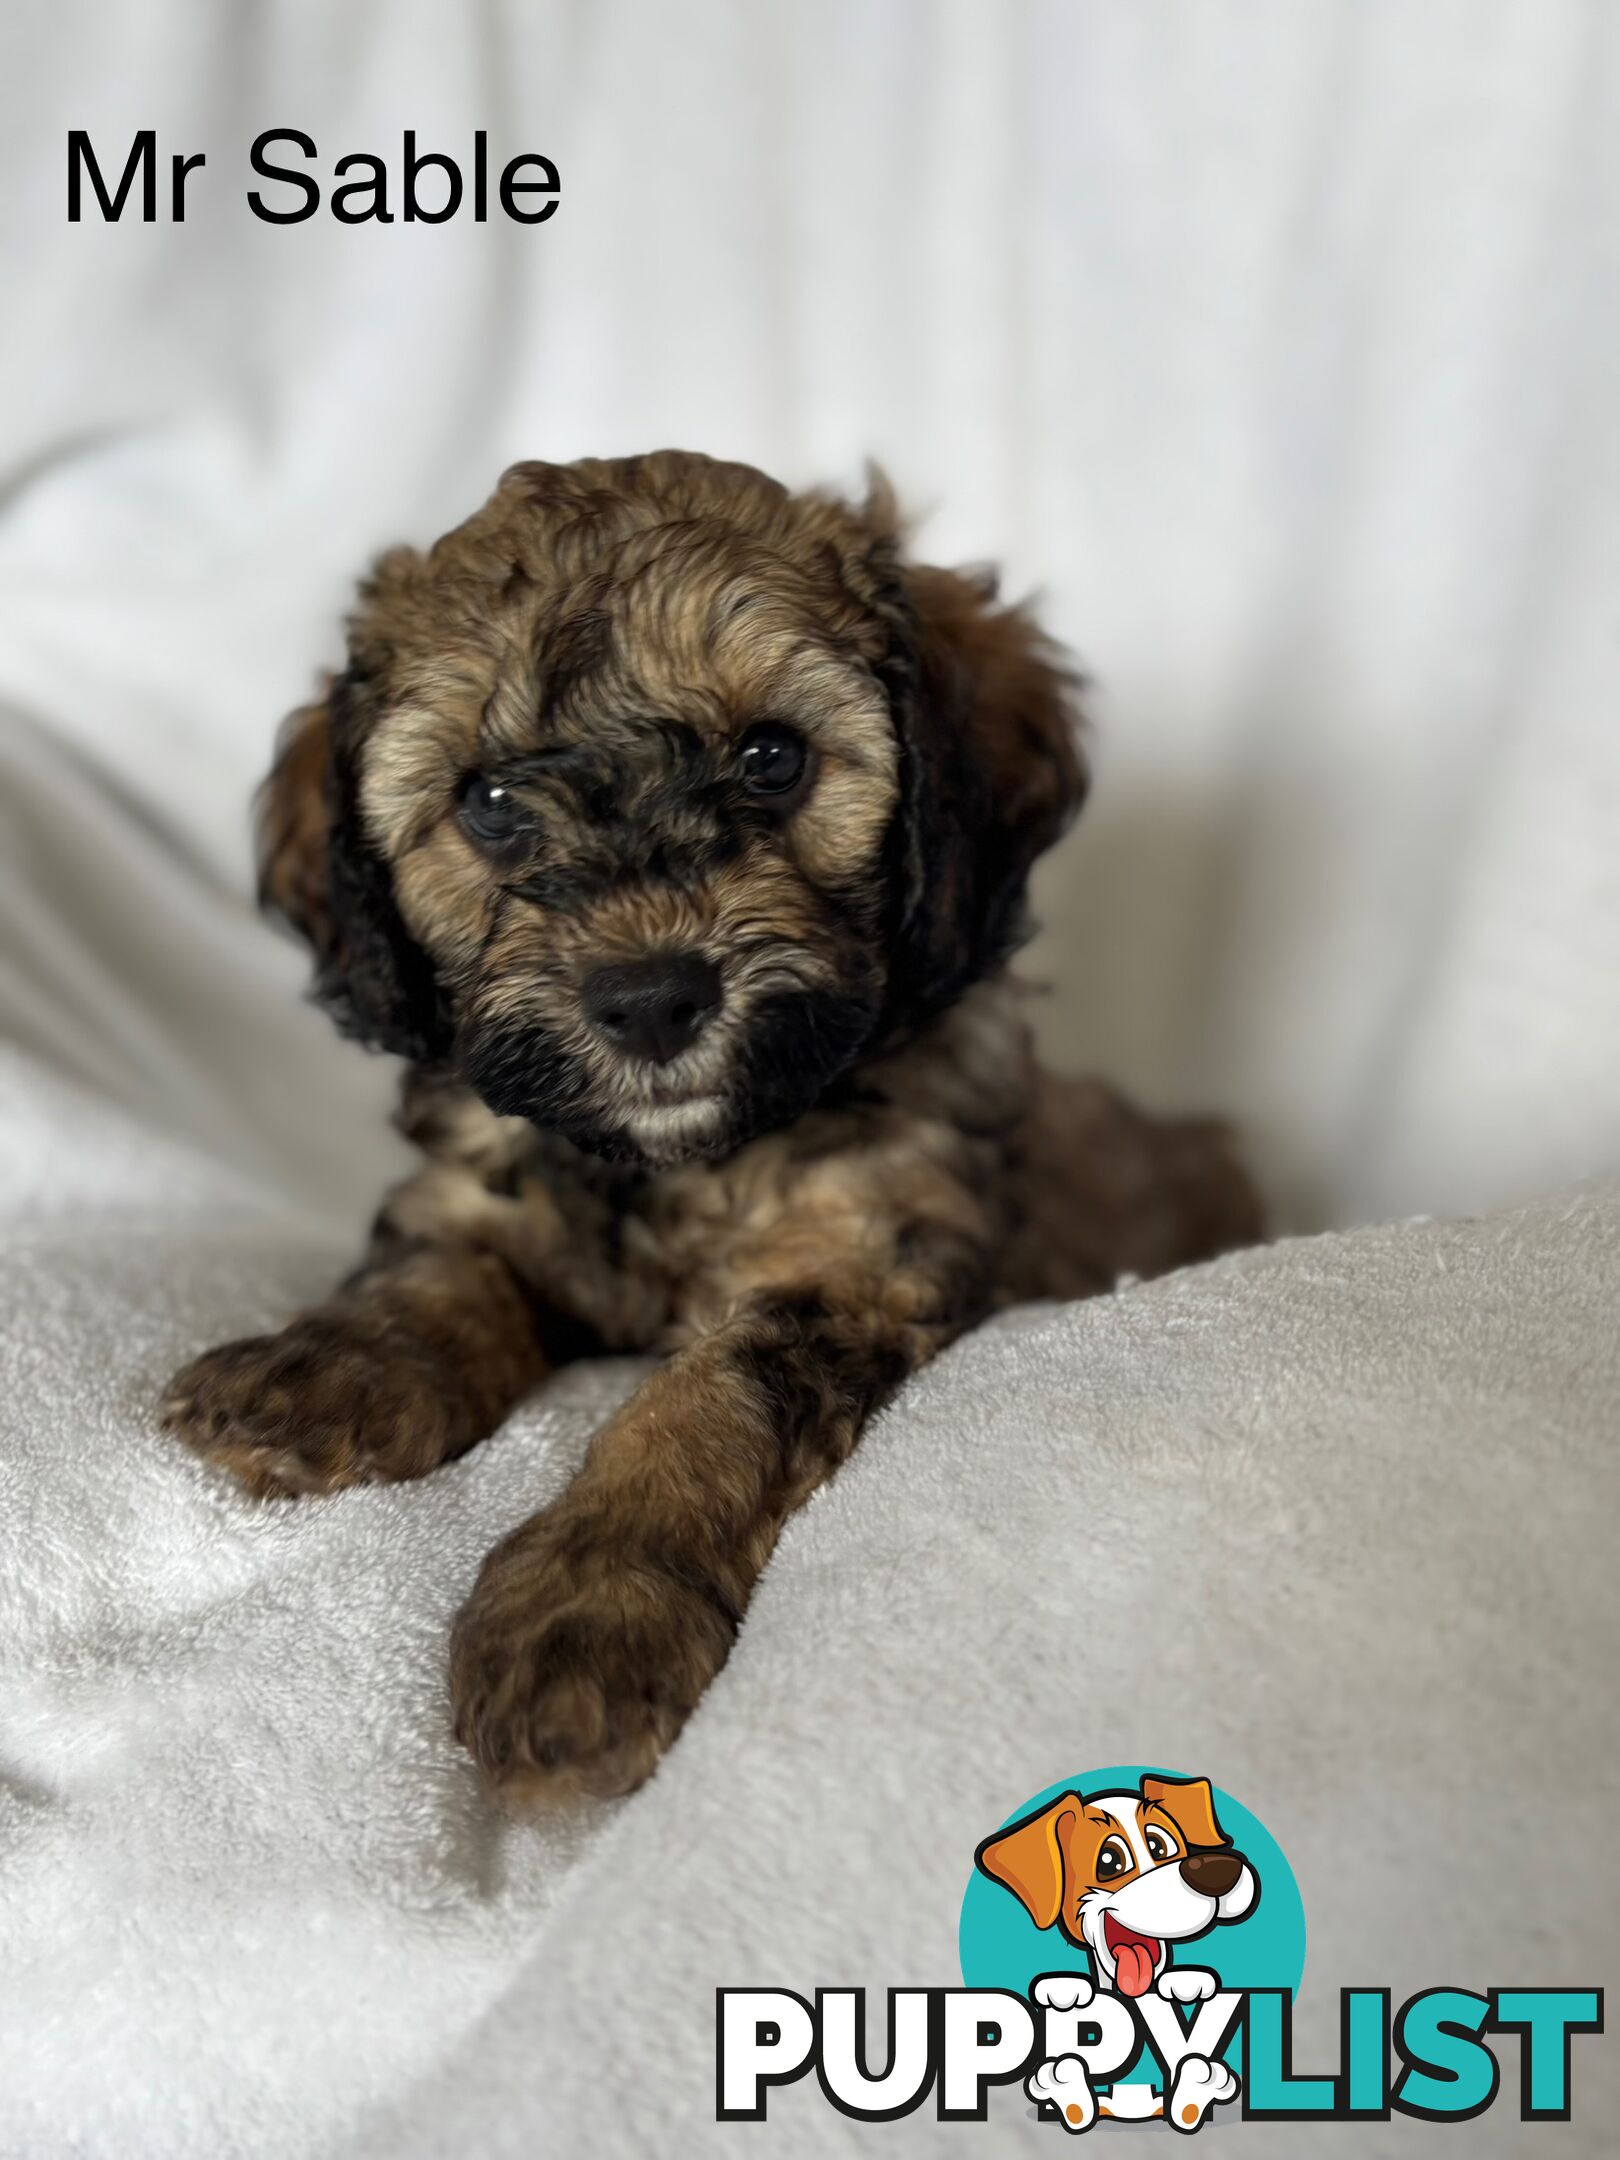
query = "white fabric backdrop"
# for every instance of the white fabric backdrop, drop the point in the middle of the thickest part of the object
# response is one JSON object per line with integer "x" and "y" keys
{"x": 1279, "y": 343}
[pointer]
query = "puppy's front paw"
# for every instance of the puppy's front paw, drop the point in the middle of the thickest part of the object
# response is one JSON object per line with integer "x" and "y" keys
{"x": 322, "y": 1405}
{"x": 1064, "y": 1991}
{"x": 579, "y": 1656}
{"x": 1186, "y": 1984}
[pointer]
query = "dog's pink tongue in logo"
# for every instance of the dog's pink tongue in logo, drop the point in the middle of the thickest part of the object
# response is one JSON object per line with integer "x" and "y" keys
{"x": 1135, "y": 1956}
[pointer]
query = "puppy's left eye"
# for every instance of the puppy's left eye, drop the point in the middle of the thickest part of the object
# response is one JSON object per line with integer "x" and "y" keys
{"x": 1160, "y": 1845}
{"x": 489, "y": 811}
{"x": 772, "y": 759}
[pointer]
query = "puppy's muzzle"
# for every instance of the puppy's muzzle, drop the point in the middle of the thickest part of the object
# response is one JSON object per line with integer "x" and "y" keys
{"x": 1212, "y": 1874}
{"x": 655, "y": 1007}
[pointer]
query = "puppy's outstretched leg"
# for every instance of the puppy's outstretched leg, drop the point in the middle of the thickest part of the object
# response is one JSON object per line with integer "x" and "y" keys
{"x": 594, "y": 1628}
{"x": 415, "y": 1359}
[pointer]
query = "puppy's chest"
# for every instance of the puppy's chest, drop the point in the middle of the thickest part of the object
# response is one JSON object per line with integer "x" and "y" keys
{"x": 663, "y": 1255}
{"x": 646, "y": 1258}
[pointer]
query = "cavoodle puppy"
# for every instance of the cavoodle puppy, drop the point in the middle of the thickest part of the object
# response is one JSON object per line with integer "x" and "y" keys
{"x": 674, "y": 829}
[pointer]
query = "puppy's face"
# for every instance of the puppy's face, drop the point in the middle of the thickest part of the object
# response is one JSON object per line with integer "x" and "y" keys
{"x": 654, "y": 796}
{"x": 1125, "y": 1875}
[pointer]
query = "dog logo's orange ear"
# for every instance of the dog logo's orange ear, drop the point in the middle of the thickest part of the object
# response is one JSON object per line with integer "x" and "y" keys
{"x": 1027, "y": 1859}
{"x": 1190, "y": 1804}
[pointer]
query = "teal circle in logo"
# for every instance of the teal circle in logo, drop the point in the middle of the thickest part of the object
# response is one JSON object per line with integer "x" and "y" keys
{"x": 1001, "y": 1945}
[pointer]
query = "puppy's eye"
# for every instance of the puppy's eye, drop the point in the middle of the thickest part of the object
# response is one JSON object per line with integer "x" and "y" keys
{"x": 1160, "y": 1845}
{"x": 490, "y": 812}
{"x": 772, "y": 759}
{"x": 1114, "y": 1859}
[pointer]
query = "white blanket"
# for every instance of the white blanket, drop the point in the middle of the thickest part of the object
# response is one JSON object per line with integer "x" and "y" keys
{"x": 1332, "y": 1522}
{"x": 1280, "y": 343}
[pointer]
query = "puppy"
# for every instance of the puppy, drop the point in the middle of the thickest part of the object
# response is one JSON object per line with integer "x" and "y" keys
{"x": 674, "y": 829}
{"x": 1124, "y": 1875}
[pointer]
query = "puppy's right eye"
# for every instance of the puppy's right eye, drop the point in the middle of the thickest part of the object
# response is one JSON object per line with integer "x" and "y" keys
{"x": 491, "y": 812}
{"x": 772, "y": 759}
{"x": 1114, "y": 1859}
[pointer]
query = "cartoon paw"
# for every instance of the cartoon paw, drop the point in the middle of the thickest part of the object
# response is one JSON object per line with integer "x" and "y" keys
{"x": 1062, "y": 2083}
{"x": 1063, "y": 1991}
{"x": 1186, "y": 1984}
{"x": 1200, "y": 2085}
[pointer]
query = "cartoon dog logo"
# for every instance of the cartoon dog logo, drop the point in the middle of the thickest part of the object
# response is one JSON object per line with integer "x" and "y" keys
{"x": 1124, "y": 1876}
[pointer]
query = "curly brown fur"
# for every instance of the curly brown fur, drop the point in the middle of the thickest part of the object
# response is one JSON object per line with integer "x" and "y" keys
{"x": 801, "y": 1178}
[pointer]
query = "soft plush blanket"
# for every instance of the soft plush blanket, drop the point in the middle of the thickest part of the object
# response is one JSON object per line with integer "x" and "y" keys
{"x": 1331, "y": 1522}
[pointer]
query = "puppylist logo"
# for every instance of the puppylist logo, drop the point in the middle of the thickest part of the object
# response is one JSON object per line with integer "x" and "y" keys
{"x": 1133, "y": 1876}
{"x": 1131, "y": 1942}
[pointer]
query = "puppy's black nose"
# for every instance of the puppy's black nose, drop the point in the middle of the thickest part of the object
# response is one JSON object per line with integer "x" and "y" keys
{"x": 1212, "y": 1873}
{"x": 653, "y": 1008}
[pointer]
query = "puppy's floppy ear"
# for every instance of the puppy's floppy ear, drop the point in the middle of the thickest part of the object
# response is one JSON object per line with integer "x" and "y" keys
{"x": 986, "y": 708}
{"x": 319, "y": 871}
{"x": 1190, "y": 1805}
{"x": 1029, "y": 1858}
{"x": 291, "y": 820}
